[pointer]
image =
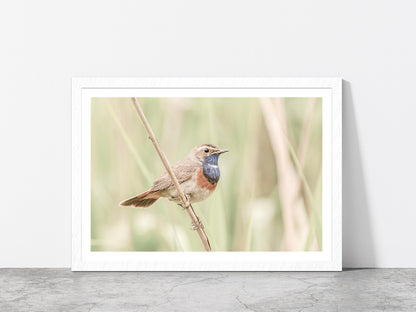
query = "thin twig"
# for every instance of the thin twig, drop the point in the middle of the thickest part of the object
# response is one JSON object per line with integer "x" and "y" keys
{"x": 303, "y": 147}
{"x": 196, "y": 222}
{"x": 306, "y": 131}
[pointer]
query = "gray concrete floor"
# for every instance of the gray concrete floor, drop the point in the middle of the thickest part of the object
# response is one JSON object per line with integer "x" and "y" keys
{"x": 351, "y": 290}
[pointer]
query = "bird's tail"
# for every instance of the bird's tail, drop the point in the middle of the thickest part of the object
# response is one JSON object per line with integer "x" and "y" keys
{"x": 144, "y": 199}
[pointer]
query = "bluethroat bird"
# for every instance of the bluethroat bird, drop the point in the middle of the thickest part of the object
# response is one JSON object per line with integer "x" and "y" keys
{"x": 197, "y": 174}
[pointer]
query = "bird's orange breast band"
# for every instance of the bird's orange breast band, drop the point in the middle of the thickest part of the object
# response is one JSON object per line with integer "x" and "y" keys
{"x": 202, "y": 181}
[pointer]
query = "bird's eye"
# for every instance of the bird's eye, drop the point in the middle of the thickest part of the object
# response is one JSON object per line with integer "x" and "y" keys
{"x": 206, "y": 150}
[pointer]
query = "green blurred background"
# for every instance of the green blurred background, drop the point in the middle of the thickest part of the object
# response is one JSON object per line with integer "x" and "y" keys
{"x": 269, "y": 194}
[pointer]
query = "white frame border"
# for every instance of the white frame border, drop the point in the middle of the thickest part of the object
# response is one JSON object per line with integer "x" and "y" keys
{"x": 250, "y": 261}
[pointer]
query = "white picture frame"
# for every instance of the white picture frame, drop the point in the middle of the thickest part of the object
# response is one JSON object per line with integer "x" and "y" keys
{"x": 329, "y": 259}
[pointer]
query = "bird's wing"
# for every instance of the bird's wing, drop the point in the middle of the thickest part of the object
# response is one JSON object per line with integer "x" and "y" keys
{"x": 183, "y": 171}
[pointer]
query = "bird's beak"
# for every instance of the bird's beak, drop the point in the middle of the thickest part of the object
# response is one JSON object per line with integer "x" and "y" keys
{"x": 222, "y": 151}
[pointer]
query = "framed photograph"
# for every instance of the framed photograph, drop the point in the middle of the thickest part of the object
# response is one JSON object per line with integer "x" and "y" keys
{"x": 206, "y": 174}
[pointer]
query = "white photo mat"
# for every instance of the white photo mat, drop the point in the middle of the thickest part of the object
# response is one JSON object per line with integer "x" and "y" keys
{"x": 329, "y": 259}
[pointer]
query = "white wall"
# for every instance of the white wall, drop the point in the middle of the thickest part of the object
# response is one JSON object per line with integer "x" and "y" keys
{"x": 368, "y": 43}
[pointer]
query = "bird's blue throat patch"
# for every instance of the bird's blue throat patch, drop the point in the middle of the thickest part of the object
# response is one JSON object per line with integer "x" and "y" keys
{"x": 210, "y": 168}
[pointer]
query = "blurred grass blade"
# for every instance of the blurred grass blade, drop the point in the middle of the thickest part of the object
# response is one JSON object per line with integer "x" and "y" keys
{"x": 131, "y": 147}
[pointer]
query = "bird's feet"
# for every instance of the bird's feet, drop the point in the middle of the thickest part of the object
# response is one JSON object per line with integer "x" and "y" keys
{"x": 197, "y": 226}
{"x": 180, "y": 203}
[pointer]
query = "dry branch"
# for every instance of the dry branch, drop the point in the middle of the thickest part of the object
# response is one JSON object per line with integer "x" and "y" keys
{"x": 196, "y": 222}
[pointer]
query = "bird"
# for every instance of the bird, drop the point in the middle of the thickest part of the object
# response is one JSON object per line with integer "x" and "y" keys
{"x": 198, "y": 174}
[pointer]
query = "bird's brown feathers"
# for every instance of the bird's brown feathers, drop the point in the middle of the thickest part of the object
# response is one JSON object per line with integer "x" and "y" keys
{"x": 144, "y": 199}
{"x": 183, "y": 170}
